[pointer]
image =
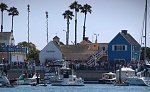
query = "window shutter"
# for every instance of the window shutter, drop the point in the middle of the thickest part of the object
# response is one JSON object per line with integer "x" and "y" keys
{"x": 113, "y": 47}
{"x": 126, "y": 47}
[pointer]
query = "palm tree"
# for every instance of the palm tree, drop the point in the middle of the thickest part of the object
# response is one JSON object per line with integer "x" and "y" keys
{"x": 67, "y": 15}
{"x": 13, "y": 12}
{"x": 75, "y": 6}
{"x": 3, "y": 7}
{"x": 85, "y": 9}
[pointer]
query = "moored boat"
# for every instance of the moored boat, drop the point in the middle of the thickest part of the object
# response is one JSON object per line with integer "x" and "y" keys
{"x": 107, "y": 78}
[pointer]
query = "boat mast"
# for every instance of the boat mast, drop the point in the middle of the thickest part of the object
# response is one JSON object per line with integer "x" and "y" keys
{"x": 145, "y": 31}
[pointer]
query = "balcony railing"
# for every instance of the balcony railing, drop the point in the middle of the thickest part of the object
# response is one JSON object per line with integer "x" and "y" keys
{"x": 13, "y": 49}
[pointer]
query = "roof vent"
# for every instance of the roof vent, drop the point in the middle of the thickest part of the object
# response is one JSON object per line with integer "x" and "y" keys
{"x": 124, "y": 31}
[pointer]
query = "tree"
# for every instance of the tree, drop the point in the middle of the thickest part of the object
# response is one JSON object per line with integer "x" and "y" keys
{"x": 12, "y": 12}
{"x": 147, "y": 53}
{"x": 85, "y": 9}
{"x": 33, "y": 53}
{"x": 75, "y": 6}
{"x": 3, "y": 7}
{"x": 67, "y": 15}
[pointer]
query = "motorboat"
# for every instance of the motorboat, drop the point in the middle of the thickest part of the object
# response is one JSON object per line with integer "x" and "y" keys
{"x": 121, "y": 74}
{"x": 4, "y": 82}
{"x": 66, "y": 77}
{"x": 107, "y": 78}
{"x": 28, "y": 79}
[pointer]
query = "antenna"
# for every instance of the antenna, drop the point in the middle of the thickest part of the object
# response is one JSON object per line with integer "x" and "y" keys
{"x": 47, "y": 25}
{"x": 96, "y": 37}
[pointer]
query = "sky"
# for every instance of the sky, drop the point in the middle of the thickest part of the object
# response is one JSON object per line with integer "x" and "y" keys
{"x": 107, "y": 19}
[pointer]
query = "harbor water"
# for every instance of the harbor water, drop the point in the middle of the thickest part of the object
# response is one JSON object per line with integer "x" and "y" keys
{"x": 86, "y": 88}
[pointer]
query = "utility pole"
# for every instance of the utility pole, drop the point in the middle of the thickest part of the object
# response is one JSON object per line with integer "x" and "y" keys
{"x": 96, "y": 37}
{"x": 47, "y": 25}
{"x": 28, "y": 6}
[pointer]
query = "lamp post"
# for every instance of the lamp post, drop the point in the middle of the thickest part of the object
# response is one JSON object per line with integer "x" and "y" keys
{"x": 66, "y": 36}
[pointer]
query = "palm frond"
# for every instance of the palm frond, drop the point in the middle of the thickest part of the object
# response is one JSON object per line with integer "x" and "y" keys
{"x": 3, "y": 7}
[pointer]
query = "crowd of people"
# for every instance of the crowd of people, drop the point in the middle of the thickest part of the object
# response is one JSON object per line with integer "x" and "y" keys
{"x": 78, "y": 65}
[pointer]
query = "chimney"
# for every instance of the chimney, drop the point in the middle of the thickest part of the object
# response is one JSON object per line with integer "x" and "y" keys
{"x": 124, "y": 32}
{"x": 85, "y": 38}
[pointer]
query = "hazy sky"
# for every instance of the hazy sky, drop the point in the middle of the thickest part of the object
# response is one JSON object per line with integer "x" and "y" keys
{"x": 108, "y": 18}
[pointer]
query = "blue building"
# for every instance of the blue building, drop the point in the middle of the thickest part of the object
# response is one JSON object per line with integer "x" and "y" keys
{"x": 123, "y": 48}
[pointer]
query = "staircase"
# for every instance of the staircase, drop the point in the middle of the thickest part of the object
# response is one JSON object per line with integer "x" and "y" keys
{"x": 95, "y": 57}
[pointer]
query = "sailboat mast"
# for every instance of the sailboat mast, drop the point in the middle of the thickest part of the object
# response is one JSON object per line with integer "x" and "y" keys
{"x": 145, "y": 31}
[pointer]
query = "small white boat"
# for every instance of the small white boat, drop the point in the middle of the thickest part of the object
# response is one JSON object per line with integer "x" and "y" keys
{"x": 66, "y": 77}
{"x": 4, "y": 82}
{"x": 27, "y": 80}
{"x": 108, "y": 78}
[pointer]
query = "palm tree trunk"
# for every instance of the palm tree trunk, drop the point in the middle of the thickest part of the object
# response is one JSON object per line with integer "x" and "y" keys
{"x": 2, "y": 23}
{"x": 75, "y": 27}
{"x": 12, "y": 24}
{"x": 84, "y": 26}
{"x": 67, "y": 30}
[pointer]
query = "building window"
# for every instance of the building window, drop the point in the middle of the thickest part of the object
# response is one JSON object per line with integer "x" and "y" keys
{"x": 102, "y": 48}
{"x": 119, "y": 47}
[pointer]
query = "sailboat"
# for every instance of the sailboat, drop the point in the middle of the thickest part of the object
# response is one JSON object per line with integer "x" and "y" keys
{"x": 143, "y": 77}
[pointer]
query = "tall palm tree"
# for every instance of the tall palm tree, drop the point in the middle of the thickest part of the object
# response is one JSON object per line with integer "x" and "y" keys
{"x": 67, "y": 15}
{"x": 75, "y": 6}
{"x": 3, "y": 7}
{"x": 13, "y": 12}
{"x": 85, "y": 9}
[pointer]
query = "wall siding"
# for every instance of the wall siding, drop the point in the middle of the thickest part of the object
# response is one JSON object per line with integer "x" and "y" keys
{"x": 47, "y": 52}
{"x": 112, "y": 55}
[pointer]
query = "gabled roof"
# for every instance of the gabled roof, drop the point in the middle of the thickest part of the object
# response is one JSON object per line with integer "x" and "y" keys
{"x": 71, "y": 52}
{"x": 56, "y": 37}
{"x": 129, "y": 38}
{"x": 5, "y": 35}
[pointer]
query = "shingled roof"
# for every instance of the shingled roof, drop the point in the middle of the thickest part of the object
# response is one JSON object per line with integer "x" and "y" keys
{"x": 5, "y": 35}
{"x": 80, "y": 52}
{"x": 129, "y": 38}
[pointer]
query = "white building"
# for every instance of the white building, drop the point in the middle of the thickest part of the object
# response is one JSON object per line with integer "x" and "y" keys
{"x": 56, "y": 50}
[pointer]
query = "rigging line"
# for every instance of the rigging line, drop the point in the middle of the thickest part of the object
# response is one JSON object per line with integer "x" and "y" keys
{"x": 142, "y": 29}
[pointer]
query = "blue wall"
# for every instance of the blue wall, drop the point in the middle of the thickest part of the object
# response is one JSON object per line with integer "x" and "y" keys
{"x": 112, "y": 55}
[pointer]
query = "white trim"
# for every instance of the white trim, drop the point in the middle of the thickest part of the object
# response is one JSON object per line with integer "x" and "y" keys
{"x": 124, "y": 47}
{"x": 131, "y": 52}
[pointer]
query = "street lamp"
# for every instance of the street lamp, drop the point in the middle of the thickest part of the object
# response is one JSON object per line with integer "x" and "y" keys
{"x": 66, "y": 35}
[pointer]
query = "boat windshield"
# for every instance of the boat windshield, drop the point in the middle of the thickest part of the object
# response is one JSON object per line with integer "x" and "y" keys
{"x": 61, "y": 72}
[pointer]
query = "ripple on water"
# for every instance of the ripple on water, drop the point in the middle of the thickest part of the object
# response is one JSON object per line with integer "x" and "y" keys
{"x": 86, "y": 88}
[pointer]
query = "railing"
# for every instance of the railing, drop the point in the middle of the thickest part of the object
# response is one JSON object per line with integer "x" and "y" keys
{"x": 95, "y": 57}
